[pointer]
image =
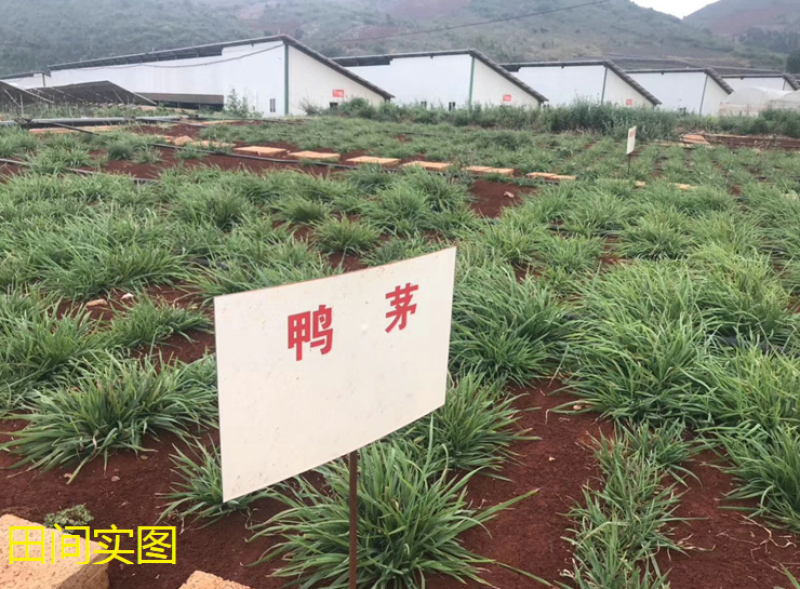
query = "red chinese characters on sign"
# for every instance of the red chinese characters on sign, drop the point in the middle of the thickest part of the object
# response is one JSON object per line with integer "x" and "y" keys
{"x": 400, "y": 301}
{"x": 338, "y": 93}
{"x": 507, "y": 98}
{"x": 315, "y": 329}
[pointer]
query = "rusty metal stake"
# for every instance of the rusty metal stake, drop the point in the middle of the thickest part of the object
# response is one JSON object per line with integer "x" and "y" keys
{"x": 353, "y": 516}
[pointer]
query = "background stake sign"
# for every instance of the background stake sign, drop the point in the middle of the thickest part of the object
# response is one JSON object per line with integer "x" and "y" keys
{"x": 631, "y": 146}
{"x": 312, "y": 371}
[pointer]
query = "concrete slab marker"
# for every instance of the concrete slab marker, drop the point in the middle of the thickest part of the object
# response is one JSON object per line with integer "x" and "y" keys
{"x": 369, "y": 160}
{"x": 430, "y": 166}
{"x": 262, "y": 150}
{"x": 200, "y": 580}
{"x": 53, "y": 571}
{"x": 315, "y": 155}
{"x": 180, "y": 141}
{"x": 550, "y": 177}
{"x": 490, "y": 170}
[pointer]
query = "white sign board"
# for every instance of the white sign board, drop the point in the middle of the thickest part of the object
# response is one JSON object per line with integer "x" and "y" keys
{"x": 309, "y": 372}
{"x": 631, "y": 140}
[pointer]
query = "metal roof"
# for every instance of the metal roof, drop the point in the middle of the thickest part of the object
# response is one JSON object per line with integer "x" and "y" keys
{"x": 23, "y": 75}
{"x": 515, "y": 67}
{"x": 215, "y": 49}
{"x": 92, "y": 93}
{"x": 794, "y": 84}
{"x": 386, "y": 59}
{"x": 689, "y": 70}
{"x": 13, "y": 96}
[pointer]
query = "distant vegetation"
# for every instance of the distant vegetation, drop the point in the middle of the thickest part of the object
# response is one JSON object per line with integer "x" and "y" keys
{"x": 39, "y": 33}
{"x": 605, "y": 119}
{"x": 773, "y": 25}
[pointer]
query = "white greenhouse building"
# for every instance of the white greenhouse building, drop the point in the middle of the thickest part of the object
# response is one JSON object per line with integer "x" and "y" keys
{"x": 596, "y": 82}
{"x": 692, "y": 90}
{"x": 277, "y": 75}
{"x": 780, "y": 82}
{"x": 447, "y": 79}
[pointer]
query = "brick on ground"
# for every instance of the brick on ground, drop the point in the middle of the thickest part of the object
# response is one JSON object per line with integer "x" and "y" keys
{"x": 54, "y": 131}
{"x": 63, "y": 574}
{"x": 200, "y": 580}
{"x": 430, "y": 166}
{"x": 314, "y": 155}
{"x": 550, "y": 177}
{"x": 693, "y": 139}
{"x": 262, "y": 150}
{"x": 490, "y": 170}
{"x": 380, "y": 161}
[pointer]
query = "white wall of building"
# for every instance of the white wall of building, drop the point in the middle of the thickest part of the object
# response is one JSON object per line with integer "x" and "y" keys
{"x": 491, "y": 89}
{"x": 773, "y": 83}
{"x": 696, "y": 92}
{"x": 437, "y": 80}
{"x": 565, "y": 85}
{"x": 593, "y": 83}
{"x": 26, "y": 82}
{"x": 621, "y": 93}
{"x": 254, "y": 71}
{"x": 715, "y": 97}
{"x": 312, "y": 82}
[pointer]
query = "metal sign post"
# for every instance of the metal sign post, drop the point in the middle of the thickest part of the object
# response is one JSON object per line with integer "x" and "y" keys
{"x": 353, "y": 517}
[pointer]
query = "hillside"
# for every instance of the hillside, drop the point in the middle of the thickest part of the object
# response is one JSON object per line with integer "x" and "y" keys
{"x": 37, "y": 33}
{"x": 768, "y": 24}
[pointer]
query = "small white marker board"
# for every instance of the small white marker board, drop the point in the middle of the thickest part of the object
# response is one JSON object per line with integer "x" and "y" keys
{"x": 309, "y": 372}
{"x": 631, "y": 140}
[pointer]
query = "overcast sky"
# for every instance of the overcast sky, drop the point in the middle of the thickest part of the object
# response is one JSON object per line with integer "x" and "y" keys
{"x": 677, "y": 7}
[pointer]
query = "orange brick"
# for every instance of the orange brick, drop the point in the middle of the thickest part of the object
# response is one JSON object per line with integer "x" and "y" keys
{"x": 550, "y": 177}
{"x": 63, "y": 574}
{"x": 262, "y": 150}
{"x": 430, "y": 166}
{"x": 314, "y": 155}
{"x": 489, "y": 170}
{"x": 200, "y": 580}
{"x": 380, "y": 161}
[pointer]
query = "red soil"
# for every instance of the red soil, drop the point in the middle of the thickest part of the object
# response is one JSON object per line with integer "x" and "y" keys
{"x": 731, "y": 553}
{"x": 492, "y": 197}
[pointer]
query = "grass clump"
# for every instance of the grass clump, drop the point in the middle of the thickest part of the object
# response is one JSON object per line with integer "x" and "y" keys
{"x": 114, "y": 405}
{"x": 301, "y": 210}
{"x": 625, "y": 522}
{"x": 39, "y": 349}
{"x": 400, "y": 209}
{"x": 410, "y": 518}
{"x": 198, "y": 493}
{"x": 396, "y": 249}
{"x": 346, "y": 236}
{"x": 148, "y": 324}
{"x": 473, "y": 431}
{"x": 57, "y": 160}
{"x": 767, "y": 465}
{"x": 503, "y": 329}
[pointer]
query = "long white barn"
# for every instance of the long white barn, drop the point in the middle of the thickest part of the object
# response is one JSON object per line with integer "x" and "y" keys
{"x": 277, "y": 75}
{"x": 450, "y": 79}
{"x": 597, "y": 82}
{"x": 691, "y": 90}
{"x": 780, "y": 82}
